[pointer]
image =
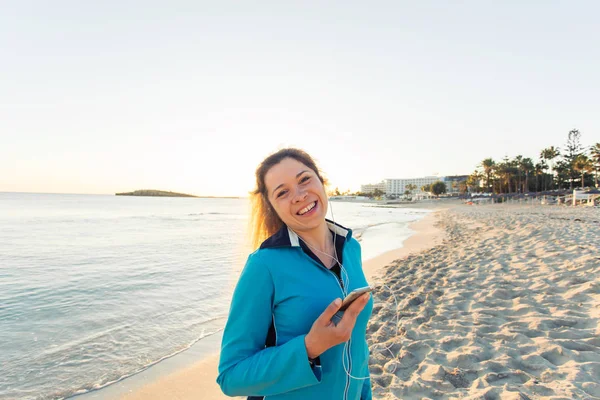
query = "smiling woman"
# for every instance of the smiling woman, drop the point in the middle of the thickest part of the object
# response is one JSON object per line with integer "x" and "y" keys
{"x": 280, "y": 340}
{"x": 293, "y": 166}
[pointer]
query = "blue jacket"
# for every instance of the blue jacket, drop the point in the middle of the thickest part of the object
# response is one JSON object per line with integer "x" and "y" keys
{"x": 282, "y": 285}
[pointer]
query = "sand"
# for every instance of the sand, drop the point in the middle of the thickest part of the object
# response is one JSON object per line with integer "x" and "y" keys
{"x": 483, "y": 302}
{"x": 195, "y": 382}
{"x": 199, "y": 380}
{"x": 508, "y": 307}
{"x": 426, "y": 236}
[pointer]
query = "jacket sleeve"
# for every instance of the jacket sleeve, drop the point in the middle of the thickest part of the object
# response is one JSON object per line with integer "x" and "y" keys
{"x": 366, "y": 393}
{"x": 246, "y": 367}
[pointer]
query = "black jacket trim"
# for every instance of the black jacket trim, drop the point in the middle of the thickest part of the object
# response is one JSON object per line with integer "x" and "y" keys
{"x": 285, "y": 237}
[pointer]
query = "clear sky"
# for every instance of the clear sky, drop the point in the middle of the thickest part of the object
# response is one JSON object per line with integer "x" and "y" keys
{"x": 189, "y": 96}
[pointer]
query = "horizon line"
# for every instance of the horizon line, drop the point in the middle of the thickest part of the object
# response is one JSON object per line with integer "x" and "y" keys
{"x": 114, "y": 194}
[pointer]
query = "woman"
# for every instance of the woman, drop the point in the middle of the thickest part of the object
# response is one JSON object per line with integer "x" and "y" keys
{"x": 279, "y": 341}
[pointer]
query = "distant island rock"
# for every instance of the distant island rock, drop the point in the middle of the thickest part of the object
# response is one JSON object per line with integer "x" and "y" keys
{"x": 158, "y": 193}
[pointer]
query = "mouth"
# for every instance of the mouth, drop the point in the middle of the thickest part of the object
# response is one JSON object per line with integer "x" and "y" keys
{"x": 308, "y": 210}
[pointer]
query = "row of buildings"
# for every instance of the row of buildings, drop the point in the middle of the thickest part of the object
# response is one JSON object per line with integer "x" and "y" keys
{"x": 398, "y": 187}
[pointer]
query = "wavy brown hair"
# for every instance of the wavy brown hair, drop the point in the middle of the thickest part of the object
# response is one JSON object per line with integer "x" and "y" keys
{"x": 264, "y": 221}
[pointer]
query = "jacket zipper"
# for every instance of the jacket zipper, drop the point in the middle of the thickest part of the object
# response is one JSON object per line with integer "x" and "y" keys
{"x": 347, "y": 385}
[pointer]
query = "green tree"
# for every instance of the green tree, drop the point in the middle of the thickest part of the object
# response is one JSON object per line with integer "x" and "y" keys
{"x": 562, "y": 173}
{"x": 573, "y": 149}
{"x": 506, "y": 171}
{"x": 549, "y": 154}
{"x": 539, "y": 171}
{"x": 523, "y": 167}
{"x": 474, "y": 181}
{"x": 595, "y": 156}
{"x": 426, "y": 188}
{"x": 582, "y": 164}
{"x": 527, "y": 168}
{"x": 378, "y": 193}
{"x": 488, "y": 166}
{"x": 516, "y": 163}
{"x": 438, "y": 188}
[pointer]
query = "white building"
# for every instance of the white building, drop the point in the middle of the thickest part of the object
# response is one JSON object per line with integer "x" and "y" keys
{"x": 398, "y": 186}
{"x": 370, "y": 188}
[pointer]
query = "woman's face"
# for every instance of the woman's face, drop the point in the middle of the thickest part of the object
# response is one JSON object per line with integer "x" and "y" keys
{"x": 297, "y": 195}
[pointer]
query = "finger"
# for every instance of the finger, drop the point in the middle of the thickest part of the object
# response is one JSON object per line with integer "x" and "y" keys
{"x": 355, "y": 308}
{"x": 325, "y": 317}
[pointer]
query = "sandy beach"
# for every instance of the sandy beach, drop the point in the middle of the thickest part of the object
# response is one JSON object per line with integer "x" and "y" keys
{"x": 507, "y": 308}
{"x": 482, "y": 302}
{"x": 199, "y": 380}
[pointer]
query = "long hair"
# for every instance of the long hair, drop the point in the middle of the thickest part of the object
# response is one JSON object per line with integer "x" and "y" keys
{"x": 264, "y": 221}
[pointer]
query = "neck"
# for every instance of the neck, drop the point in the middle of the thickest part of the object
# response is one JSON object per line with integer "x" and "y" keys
{"x": 319, "y": 237}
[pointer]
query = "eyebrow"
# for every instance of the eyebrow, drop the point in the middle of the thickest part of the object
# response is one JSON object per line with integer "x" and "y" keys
{"x": 297, "y": 175}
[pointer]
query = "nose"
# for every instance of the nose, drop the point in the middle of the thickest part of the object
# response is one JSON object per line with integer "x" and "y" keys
{"x": 300, "y": 195}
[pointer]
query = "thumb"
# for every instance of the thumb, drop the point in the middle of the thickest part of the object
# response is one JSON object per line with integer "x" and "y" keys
{"x": 325, "y": 317}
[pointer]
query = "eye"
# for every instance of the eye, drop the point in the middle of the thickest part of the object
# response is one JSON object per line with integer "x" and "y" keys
{"x": 305, "y": 179}
{"x": 281, "y": 193}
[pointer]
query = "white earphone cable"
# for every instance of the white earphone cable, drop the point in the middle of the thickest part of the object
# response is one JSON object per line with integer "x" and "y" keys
{"x": 346, "y": 282}
{"x": 343, "y": 270}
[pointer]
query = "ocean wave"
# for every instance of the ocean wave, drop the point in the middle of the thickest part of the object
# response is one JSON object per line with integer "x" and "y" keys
{"x": 108, "y": 379}
{"x": 119, "y": 288}
{"x": 98, "y": 386}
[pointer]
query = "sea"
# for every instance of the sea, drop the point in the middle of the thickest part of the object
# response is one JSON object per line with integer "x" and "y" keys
{"x": 97, "y": 288}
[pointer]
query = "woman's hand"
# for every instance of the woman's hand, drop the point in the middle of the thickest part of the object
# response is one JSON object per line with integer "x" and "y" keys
{"x": 324, "y": 334}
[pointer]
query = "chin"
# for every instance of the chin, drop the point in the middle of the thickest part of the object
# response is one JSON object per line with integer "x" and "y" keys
{"x": 314, "y": 222}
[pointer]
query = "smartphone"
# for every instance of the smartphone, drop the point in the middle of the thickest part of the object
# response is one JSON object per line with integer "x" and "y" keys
{"x": 353, "y": 295}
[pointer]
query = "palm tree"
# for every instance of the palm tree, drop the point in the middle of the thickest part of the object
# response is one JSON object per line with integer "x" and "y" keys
{"x": 513, "y": 174}
{"x": 562, "y": 171}
{"x": 583, "y": 164}
{"x": 539, "y": 170}
{"x": 474, "y": 180}
{"x": 543, "y": 167}
{"x": 595, "y": 153}
{"x": 518, "y": 163}
{"x": 504, "y": 173}
{"x": 488, "y": 167}
{"x": 550, "y": 154}
{"x": 527, "y": 167}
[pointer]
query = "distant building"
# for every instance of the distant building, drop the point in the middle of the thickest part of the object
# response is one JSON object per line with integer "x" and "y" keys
{"x": 398, "y": 186}
{"x": 370, "y": 188}
{"x": 350, "y": 198}
{"x": 453, "y": 183}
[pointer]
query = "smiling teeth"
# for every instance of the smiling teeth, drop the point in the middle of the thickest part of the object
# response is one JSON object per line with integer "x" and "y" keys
{"x": 307, "y": 208}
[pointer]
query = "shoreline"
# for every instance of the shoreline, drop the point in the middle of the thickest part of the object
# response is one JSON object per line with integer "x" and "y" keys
{"x": 426, "y": 235}
{"x": 198, "y": 380}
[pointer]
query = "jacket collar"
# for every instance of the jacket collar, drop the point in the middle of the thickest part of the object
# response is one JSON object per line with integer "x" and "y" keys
{"x": 285, "y": 237}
